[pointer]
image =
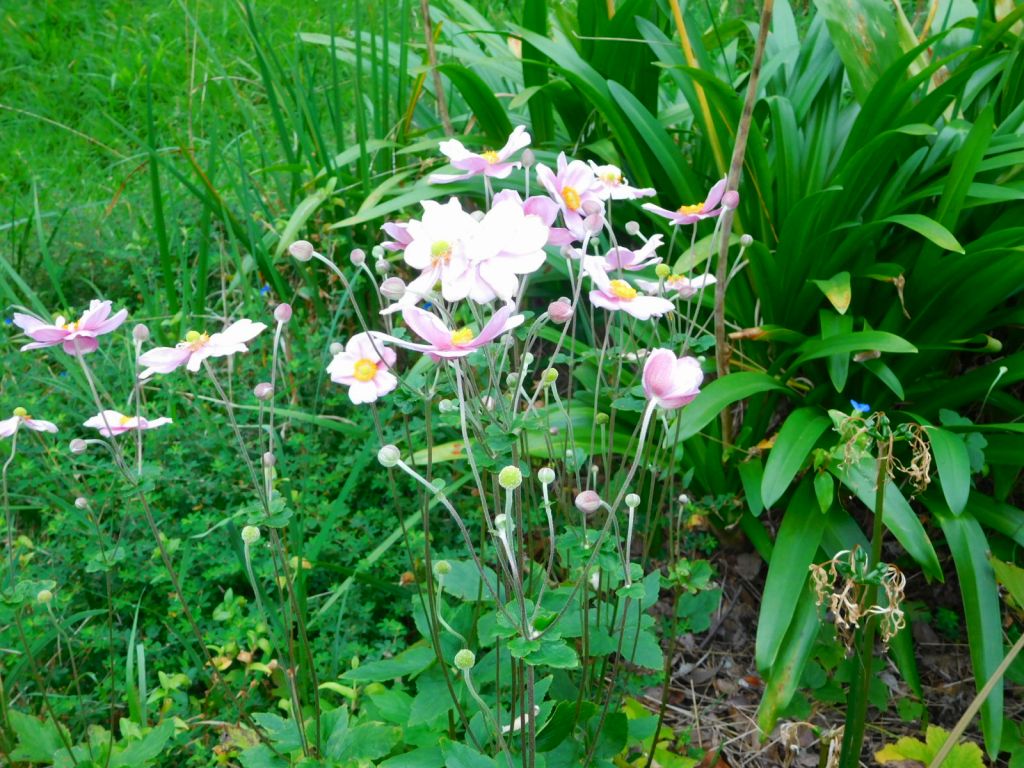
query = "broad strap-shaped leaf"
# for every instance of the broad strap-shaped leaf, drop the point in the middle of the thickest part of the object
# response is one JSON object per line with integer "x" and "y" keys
{"x": 795, "y": 440}
{"x": 720, "y": 394}
{"x": 897, "y": 515}
{"x": 967, "y": 544}
{"x": 859, "y": 341}
{"x": 929, "y": 228}
{"x": 954, "y": 467}
{"x": 795, "y": 548}
{"x": 481, "y": 99}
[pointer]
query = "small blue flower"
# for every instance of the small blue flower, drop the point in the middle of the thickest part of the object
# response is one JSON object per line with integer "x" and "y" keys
{"x": 427, "y": 304}
{"x": 862, "y": 407}
{"x": 265, "y": 289}
{"x": 8, "y": 321}
{"x": 63, "y": 374}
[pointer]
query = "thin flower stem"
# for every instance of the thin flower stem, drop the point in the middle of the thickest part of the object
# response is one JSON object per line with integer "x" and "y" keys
{"x": 488, "y": 715}
{"x": 8, "y": 516}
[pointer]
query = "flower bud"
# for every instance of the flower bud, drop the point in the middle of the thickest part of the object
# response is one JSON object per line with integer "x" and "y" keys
{"x": 560, "y": 311}
{"x": 632, "y": 500}
{"x": 528, "y": 359}
{"x": 250, "y": 534}
{"x": 442, "y": 568}
{"x": 594, "y": 223}
{"x": 663, "y": 270}
{"x": 336, "y": 349}
{"x": 632, "y": 228}
{"x": 283, "y": 313}
{"x": 357, "y": 257}
{"x": 683, "y": 499}
{"x": 140, "y": 333}
{"x": 500, "y": 523}
{"x": 592, "y": 208}
{"x": 550, "y": 375}
{"x": 489, "y": 403}
{"x": 511, "y": 379}
{"x": 731, "y": 199}
{"x": 81, "y": 503}
{"x": 383, "y": 266}
{"x": 546, "y": 475}
{"x": 588, "y": 502}
{"x": 446, "y": 406}
{"x": 465, "y": 659}
{"x": 377, "y": 252}
{"x": 601, "y": 418}
{"x": 264, "y": 390}
{"x": 389, "y": 455}
{"x": 393, "y": 288}
{"x": 44, "y": 596}
{"x": 78, "y": 445}
{"x": 510, "y": 477}
{"x": 528, "y": 158}
{"x": 746, "y": 241}
{"x": 269, "y": 459}
{"x": 301, "y": 250}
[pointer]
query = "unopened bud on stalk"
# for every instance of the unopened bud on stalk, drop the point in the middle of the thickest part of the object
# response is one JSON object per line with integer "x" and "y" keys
{"x": 588, "y": 502}
{"x": 382, "y": 266}
{"x": 336, "y": 348}
{"x": 663, "y": 270}
{"x": 632, "y": 500}
{"x": 140, "y": 333}
{"x": 283, "y": 313}
{"x": 560, "y": 311}
{"x": 569, "y": 252}
{"x": 592, "y": 208}
{"x": 546, "y": 475}
{"x": 510, "y": 477}
{"x": 78, "y": 445}
{"x": 500, "y": 521}
{"x": 632, "y": 228}
{"x": 528, "y": 158}
{"x": 528, "y": 359}
{"x": 442, "y": 568}
{"x": 81, "y": 503}
{"x": 44, "y": 596}
{"x": 377, "y": 252}
{"x": 301, "y": 250}
{"x": 746, "y": 241}
{"x": 683, "y": 499}
{"x": 601, "y": 418}
{"x": 269, "y": 459}
{"x": 594, "y": 223}
{"x": 250, "y": 534}
{"x": 731, "y": 199}
{"x": 393, "y": 288}
{"x": 511, "y": 379}
{"x": 389, "y": 456}
{"x": 446, "y": 406}
{"x": 550, "y": 375}
{"x": 465, "y": 659}
{"x": 357, "y": 257}
{"x": 264, "y": 390}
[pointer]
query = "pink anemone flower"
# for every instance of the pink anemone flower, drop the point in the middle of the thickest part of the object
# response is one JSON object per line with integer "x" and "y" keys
{"x": 683, "y": 287}
{"x": 77, "y": 338}
{"x": 691, "y": 214}
{"x": 613, "y": 185}
{"x": 197, "y": 346}
{"x": 489, "y": 163}
{"x": 9, "y": 426}
{"x": 112, "y": 423}
{"x": 363, "y": 367}
{"x": 570, "y": 187}
{"x": 443, "y": 342}
{"x": 669, "y": 381}
{"x": 624, "y": 258}
{"x": 544, "y": 208}
{"x": 615, "y": 295}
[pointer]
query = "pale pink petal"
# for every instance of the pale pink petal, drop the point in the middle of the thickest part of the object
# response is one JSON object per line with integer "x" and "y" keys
{"x": 163, "y": 360}
{"x": 157, "y": 422}
{"x": 112, "y": 323}
{"x": 517, "y": 140}
{"x": 714, "y": 195}
{"x": 9, "y": 426}
{"x": 646, "y": 307}
{"x": 427, "y": 326}
{"x": 28, "y": 323}
{"x": 604, "y": 301}
{"x": 81, "y": 345}
{"x": 362, "y": 392}
{"x": 385, "y": 382}
{"x": 39, "y": 425}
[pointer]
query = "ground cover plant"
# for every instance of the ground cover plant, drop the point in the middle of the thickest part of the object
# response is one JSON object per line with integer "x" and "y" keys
{"x": 412, "y": 384}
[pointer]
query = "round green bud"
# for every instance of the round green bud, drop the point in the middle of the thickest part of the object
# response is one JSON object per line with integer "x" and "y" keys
{"x": 250, "y": 534}
{"x": 442, "y": 568}
{"x": 546, "y": 475}
{"x": 746, "y": 241}
{"x": 601, "y": 418}
{"x": 632, "y": 500}
{"x": 465, "y": 659}
{"x": 662, "y": 270}
{"x": 510, "y": 477}
{"x": 389, "y": 456}
{"x": 550, "y": 375}
{"x": 44, "y": 596}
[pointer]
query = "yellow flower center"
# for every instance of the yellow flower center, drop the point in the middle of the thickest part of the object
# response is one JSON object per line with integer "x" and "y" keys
{"x": 612, "y": 179}
{"x": 623, "y": 290}
{"x": 690, "y": 209}
{"x": 195, "y": 339}
{"x": 490, "y": 156}
{"x": 21, "y": 413}
{"x": 674, "y": 279}
{"x": 571, "y": 198}
{"x": 462, "y": 336}
{"x": 440, "y": 251}
{"x": 70, "y": 326}
{"x": 124, "y": 420}
{"x": 365, "y": 370}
